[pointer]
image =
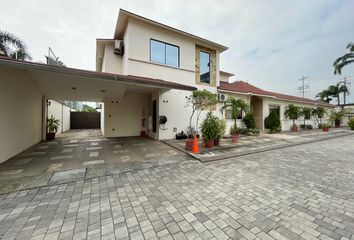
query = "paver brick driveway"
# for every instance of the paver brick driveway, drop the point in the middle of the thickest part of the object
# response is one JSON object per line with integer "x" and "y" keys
{"x": 302, "y": 192}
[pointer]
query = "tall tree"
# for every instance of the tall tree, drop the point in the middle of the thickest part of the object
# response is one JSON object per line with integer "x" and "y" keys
{"x": 324, "y": 96}
{"x": 337, "y": 90}
{"x": 13, "y": 47}
{"x": 344, "y": 60}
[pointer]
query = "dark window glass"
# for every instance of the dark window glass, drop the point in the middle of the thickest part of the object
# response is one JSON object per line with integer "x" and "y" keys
{"x": 204, "y": 67}
{"x": 164, "y": 53}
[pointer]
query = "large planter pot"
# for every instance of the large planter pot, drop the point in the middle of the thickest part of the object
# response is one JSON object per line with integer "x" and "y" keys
{"x": 50, "y": 136}
{"x": 189, "y": 144}
{"x": 216, "y": 142}
{"x": 209, "y": 143}
{"x": 295, "y": 128}
{"x": 235, "y": 138}
{"x": 325, "y": 129}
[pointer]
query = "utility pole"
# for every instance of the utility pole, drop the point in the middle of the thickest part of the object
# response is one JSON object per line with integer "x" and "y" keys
{"x": 347, "y": 83}
{"x": 304, "y": 87}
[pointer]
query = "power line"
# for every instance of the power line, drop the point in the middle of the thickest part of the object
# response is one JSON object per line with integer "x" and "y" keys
{"x": 304, "y": 88}
{"x": 347, "y": 83}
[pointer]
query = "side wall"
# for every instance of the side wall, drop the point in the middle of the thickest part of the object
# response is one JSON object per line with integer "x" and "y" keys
{"x": 21, "y": 117}
{"x": 61, "y": 112}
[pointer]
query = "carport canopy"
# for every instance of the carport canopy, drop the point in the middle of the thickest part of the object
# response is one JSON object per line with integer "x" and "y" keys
{"x": 63, "y": 83}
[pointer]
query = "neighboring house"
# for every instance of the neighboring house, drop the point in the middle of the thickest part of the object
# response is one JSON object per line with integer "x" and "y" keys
{"x": 146, "y": 48}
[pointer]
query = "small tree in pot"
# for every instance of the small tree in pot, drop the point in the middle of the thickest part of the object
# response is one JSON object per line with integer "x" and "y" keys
{"x": 52, "y": 127}
{"x": 210, "y": 129}
{"x": 336, "y": 117}
{"x": 292, "y": 112}
{"x": 221, "y": 131}
{"x": 319, "y": 113}
{"x": 236, "y": 106}
{"x": 306, "y": 113}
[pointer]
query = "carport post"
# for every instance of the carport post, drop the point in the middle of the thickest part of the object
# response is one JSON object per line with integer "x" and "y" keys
{"x": 44, "y": 117}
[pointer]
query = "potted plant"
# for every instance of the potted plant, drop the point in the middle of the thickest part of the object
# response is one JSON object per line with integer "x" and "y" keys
{"x": 221, "y": 132}
{"x": 52, "y": 127}
{"x": 351, "y": 124}
{"x": 319, "y": 113}
{"x": 272, "y": 122}
{"x": 292, "y": 112}
{"x": 210, "y": 129}
{"x": 236, "y": 106}
{"x": 337, "y": 117}
{"x": 325, "y": 127}
{"x": 199, "y": 101}
{"x": 181, "y": 135}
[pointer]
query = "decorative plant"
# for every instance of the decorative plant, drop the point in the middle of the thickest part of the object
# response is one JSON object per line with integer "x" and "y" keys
{"x": 318, "y": 113}
{"x": 249, "y": 121}
{"x": 292, "y": 112}
{"x": 351, "y": 124}
{"x": 52, "y": 124}
{"x": 306, "y": 113}
{"x": 199, "y": 100}
{"x": 336, "y": 117}
{"x": 210, "y": 127}
{"x": 221, "y": 129}
{"x": 236, "y": 106}
{"x": 272, "y": 122}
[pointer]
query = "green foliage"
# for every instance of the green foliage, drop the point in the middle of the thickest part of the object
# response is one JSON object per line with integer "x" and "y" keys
{"x": 210, "y": 127}
{"x": 234, "y": 131}
{"x": 52, "y": 124}
{"x": 344, "y": 60}
{"x": 8, "y": 42}
{"x": 249, "y": 131}
{"x": 87, "y": 108}
{"x": 249, "y": 121}
{"x": 272, "y": 122}
{"x": 336, "y": 116}
{"x": 318, "y": 112}
{"x": 325, "y": 125}
{"x": 221, "y": 129}
{"x": 236, "y": 105}
{"x": 292, "y": 112}
{"x": 351, "y": 124}
{"x": 333, "y": 91}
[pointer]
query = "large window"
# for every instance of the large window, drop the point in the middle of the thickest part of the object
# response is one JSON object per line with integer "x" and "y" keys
{"x": 164, "y": 53}
{"x": 204, "y": 67}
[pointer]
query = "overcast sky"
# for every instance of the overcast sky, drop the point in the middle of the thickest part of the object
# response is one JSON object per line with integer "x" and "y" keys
{"x": 271, "y": 43}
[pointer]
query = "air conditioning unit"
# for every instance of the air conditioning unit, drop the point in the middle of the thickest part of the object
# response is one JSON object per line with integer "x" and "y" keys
{"x": 119, "y": 47}
{"x": 221, "y": 97}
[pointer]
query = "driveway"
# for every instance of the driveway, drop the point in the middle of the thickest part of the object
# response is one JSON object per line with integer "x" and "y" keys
{"x": 83, "y": 153}
{"x": 301, "y": 192}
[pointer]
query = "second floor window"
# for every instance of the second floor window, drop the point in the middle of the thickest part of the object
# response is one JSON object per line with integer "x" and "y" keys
{"x": 164, "y": 53}
{"x": 204, "y": 67}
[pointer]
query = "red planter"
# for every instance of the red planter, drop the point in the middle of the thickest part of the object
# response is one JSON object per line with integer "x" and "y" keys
{"x": 235, "y": 138}
{"x": 295, "y": 128}
{"x": 50, "y": 136}
{"x": 209, "y": 143}
{"x": 217, "y": 142}
{"x": 325, "y": 129}
{"x": 189, "y": 144}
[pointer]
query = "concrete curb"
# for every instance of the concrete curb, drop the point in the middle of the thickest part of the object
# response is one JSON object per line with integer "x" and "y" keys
{"x": 255, "y": 151}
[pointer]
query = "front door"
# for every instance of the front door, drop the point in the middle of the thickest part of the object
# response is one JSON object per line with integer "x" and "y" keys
{"x": 154, "y": 116}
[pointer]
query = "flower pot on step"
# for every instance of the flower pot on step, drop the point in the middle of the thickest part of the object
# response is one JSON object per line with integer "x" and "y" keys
{"x": 235, "y": 138}
{"x": 189, "y": 144}
{"x": 50, "y": 136}
{"x": 209, "y": 143}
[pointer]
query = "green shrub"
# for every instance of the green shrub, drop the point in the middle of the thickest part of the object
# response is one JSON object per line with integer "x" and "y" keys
{"x": 351, "y": 124}
{"x": 249, "y": 121}
{"x": 210, "y": 127}
{"x": 221, "y": 129}
{"x": 272, "y": 122}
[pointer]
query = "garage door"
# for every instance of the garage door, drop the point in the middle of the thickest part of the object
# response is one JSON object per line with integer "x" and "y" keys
{"x": 85, "y": 120}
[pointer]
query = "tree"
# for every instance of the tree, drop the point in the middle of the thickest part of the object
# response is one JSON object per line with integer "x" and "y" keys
{"x": 200, "y": 100}
{"x": 54, "y": 61}
{"x": 337, "y": 90}
{"x": 87, "y": 108}
{"x": 344, "y": 60}
{"x": 306, "y": 112}
{"x": 324, "y": 96}
{"x": 292, "y": 112}
{"x": 236, "y": 105}
{"x": 318, "y": 113}
{"x": 13, "y": 47}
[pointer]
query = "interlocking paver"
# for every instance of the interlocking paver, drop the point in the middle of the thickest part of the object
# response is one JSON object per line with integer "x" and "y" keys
{"x": 295, "y": 193}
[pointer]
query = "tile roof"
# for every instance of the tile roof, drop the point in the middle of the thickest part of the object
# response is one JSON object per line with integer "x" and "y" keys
{"x": 244, "y": 87}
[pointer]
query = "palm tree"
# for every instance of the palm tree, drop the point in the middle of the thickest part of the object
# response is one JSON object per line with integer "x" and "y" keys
{"x": 236, "y": 105}
{"x": 306, "y": 112}
{"x": 324, "y": 96}
{"x": 292, "y": 112}
{"x": 336, "y": 90}
{"x": 344, "y": 60}
{"x": 9, "y": 41}
{"x": 318, "y": 113}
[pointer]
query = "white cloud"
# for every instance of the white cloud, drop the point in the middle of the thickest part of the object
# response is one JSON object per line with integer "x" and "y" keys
{"x": 272, "y": 43}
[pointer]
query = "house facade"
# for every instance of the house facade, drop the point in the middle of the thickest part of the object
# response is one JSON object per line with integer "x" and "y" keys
{"x": 145, "y": 48}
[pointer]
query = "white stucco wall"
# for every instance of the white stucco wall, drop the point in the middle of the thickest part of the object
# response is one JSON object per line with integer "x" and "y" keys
{"x": 112, "y": 63}
{"x": 123, "y": 117}
{"x": 61, "y": 112}
{"x": 102, "y": 116}
{"x": 21, "y": 118}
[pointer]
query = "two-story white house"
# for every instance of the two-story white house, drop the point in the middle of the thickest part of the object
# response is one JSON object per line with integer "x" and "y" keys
{"x": 146, "y": 48}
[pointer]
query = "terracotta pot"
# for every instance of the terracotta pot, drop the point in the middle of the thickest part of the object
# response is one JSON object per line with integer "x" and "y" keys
{"x": 295, "y": 128}
{"x": 216, "y": 142}
{"x": 235, "y": 138}
{"x": 209, "y": 143}
{"x": 325, "y": 129}
{"x": 50, "y": 136}
{"x": 189, "y": 144}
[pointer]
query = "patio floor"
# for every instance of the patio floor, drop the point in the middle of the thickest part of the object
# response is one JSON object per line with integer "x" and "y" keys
{"x": 83, "y": 154}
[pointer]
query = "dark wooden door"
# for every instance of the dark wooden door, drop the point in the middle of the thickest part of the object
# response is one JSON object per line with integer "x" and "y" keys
{"x": 85, "y": 120}
{"x": 154, "y": 116}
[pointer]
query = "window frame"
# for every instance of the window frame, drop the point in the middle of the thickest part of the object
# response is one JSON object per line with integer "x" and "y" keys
{"x": 165, "y": 44}
{"x": 200, "y": 79}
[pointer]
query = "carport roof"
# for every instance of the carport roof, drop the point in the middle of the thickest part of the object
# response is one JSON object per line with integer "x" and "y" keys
{"x": 126, "y": 79}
